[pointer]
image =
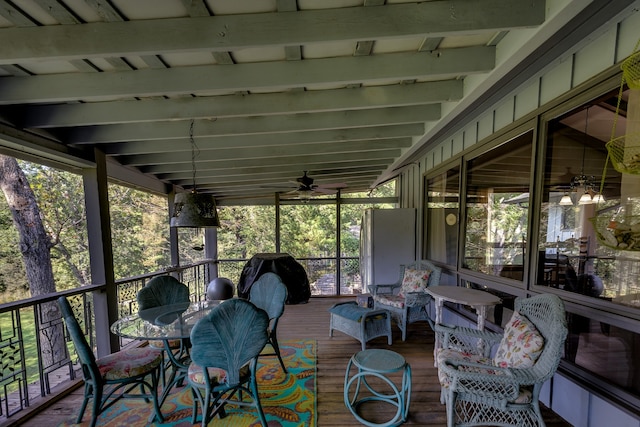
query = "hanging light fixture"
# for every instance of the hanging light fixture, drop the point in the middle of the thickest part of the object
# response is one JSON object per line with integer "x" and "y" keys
{"x": 192, "y": 209}
{"x": 566, "y": 200}
{"x": 584, "y": 185}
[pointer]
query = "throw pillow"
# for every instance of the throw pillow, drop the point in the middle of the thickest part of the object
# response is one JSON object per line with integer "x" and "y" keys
{"x": 521, "y": 344}
{"x": 414, "y": 281}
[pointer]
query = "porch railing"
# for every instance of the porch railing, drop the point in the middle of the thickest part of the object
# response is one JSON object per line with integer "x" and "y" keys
{"x": 37, "y": 357}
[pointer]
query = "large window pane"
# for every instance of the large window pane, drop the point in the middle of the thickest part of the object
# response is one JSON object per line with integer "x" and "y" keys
{"x": 602, "y": 261}
{"x": 443, "y": 204}
{"x": 497, "y": 203}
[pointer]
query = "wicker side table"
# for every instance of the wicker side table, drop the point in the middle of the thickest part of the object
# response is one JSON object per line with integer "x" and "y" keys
{"x": 379, "y": 364}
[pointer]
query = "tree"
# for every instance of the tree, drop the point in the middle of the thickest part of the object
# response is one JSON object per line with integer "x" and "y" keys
{"x": 35, "y": 247}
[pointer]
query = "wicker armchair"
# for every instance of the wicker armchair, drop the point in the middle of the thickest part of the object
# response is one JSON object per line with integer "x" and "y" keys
{"x": 404, "y": 300}
{"x": 478, "y": 389}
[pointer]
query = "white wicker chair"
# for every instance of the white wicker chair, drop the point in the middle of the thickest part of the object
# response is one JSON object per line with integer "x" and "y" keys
{"x": 477, "y": 391}
{"x": 410, "y": 307}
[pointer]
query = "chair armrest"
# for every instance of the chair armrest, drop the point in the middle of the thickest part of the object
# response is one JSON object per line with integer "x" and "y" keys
{"x": 467, "y": 339}
{"x": 380, "y": 289}
{"x": 417, "y": 299}
{"x": 483, "y": 380}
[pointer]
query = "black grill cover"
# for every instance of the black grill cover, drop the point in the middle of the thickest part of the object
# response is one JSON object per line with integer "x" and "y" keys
{"x": 291, "y": 272}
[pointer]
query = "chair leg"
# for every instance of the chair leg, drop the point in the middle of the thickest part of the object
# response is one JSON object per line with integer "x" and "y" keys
{"x": 97, "y": 405}
{"x": 87, "y": 394}
{"x": 256, "y": 399}
{"x": 276, "y": 348}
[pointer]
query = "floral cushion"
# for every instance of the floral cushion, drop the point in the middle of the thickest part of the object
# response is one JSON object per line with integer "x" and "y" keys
{"x": 396, "y": 301}
{"x": 129, "y": 363}
{"x": 414, "y": 281}
{"x": 521, "y": 344}
{"x": 218, "y": 376}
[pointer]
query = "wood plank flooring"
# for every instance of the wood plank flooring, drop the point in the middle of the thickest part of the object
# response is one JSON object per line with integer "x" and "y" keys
{"x": 311, "y": 320}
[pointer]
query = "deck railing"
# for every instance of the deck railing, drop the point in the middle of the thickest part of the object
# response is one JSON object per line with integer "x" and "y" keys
{"x": 38, "y": 359}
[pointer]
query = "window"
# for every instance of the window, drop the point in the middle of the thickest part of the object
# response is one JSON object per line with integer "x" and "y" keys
{"x": 443, "y": 214}
{"x": 497, "y": 206}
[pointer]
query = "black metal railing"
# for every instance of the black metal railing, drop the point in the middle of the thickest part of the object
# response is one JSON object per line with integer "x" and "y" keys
{"x": 38, "y": 359}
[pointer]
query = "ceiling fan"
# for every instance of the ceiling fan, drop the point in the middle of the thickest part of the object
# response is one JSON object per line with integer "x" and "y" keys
{"x": 306, "y": 188}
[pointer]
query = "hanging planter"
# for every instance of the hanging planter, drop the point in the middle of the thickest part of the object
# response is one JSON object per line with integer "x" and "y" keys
{"x": 631, "y": 70}
{"x": 620, "y": 233}
{"x": 624, "y": 153}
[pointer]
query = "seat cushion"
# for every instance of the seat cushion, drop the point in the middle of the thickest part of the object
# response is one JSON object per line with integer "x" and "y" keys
{"x": 414, "y": 281}
{"x": 524, "y": 394}
{"x": 396, "y": 301}
{"x": 218, "y": 376}
{"x": 129, "y": 363}
{"x": 521, "y": 344}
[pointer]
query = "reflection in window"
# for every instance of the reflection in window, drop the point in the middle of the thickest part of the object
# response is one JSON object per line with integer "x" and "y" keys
{"x": 575, "y": 256}
{"x": 605, "y": 350}
{"x": 497, "y": 203}
{"x": 443, "y": 203}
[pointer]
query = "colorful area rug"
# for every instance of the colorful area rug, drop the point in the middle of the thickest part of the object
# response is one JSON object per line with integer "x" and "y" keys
{"x": 287, "y": 399}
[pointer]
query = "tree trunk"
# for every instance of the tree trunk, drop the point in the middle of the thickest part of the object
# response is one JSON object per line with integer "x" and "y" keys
{"x": 35, "y": 246}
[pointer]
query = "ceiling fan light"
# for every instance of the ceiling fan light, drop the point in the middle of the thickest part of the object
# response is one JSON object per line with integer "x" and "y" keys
{"x": 598, "y": 198}
{"x": 566, "y": 200}
{"x": 585, "y": 199}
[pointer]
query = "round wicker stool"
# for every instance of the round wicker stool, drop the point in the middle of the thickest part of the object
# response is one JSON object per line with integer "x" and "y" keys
{"x": 378, "y": 363}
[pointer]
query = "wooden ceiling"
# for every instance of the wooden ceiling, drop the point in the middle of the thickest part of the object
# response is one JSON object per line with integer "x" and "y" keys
{"x": 251, "y": 93}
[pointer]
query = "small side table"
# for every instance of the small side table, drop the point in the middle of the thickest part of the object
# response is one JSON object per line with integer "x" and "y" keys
{"x": 378, "y": 363}
{"x": 475, "y": 298}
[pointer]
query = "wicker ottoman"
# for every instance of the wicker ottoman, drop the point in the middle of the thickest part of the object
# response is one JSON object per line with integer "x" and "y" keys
{"x": 361, "y": 323}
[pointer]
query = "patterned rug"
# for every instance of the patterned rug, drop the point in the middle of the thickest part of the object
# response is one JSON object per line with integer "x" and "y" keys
{"x": 287, "y": 399}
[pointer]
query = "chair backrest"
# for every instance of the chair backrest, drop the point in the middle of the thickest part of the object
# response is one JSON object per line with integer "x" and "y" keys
{"x": 434, "y": 277}
{"x": 162, "y": 290}
{"x": 87, "y": 359}
{"x": 269, "y": 294}
{"x": 229, "y": 336}
{"x": 547, "y": 313}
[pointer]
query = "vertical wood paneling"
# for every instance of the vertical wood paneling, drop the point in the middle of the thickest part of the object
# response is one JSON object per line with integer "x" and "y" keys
{"x": 557, "y": 81}
{"x": 527, "y": 100}
{"x": 457, "y": 144}
{"x": 504, "y": 114}
{"x": 628, "y": 36}
{"x": 594, "y": 58}
{"x": 485, "y": 125}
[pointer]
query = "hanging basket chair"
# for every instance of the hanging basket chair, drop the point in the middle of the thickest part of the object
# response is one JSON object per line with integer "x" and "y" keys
{"x": 631, "y": 70}
{"x": 624, "y": 153}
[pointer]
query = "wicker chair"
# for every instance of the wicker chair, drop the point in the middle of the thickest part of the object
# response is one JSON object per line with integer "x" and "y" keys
{"x": 480, "y": 391}
{"x": 407, "y": 307}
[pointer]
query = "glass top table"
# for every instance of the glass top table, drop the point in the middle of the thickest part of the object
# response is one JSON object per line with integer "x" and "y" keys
{"x": 166, "y": 322}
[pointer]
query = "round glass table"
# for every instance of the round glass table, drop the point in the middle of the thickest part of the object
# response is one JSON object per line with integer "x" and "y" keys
{"x": 167, "y": 323}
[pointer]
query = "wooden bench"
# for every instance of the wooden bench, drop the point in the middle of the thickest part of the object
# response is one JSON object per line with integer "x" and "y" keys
{"x": 361, "y": 323}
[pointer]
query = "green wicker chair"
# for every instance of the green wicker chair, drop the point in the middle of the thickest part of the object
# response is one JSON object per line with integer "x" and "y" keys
{"x": 479, "y": 391}
{"x": 159, "y": 291}
{"x": 110, "y": 378}
{"x": 270, "y": 294}
{"x": 225, "y": 349}
{"x": 406, "y": 307}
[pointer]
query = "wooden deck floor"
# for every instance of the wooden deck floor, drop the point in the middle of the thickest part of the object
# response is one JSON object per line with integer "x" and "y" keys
{"x": 312, "y": 321}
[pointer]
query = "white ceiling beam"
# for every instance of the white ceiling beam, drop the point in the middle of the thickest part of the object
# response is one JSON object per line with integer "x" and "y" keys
{"x": 254, "y": 125}
{"x": 147, "y": 110}
{"x": 228, "y": 33}
{"x": 264, "y": 140}
{"x": 439, "y": 65}
{"x": 362, "y": 147}
{"x": 308, "y": 159}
